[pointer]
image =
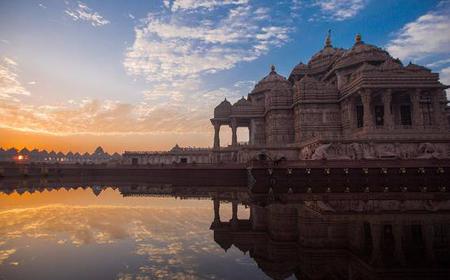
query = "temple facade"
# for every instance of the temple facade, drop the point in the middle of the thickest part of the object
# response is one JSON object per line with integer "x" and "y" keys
{"x": 357, "y": 103}
{"x": 175, "y": 155}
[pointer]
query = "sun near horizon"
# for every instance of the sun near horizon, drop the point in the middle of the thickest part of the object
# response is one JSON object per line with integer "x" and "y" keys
{"x": 146, "y": 75}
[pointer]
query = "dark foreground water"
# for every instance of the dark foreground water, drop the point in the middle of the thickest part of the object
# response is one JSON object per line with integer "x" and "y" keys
{"x": 161, "y": 233}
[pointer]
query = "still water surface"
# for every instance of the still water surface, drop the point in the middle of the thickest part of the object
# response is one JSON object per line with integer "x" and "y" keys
{"x": 146, "y": 232}
{"x": 74, "y": 234}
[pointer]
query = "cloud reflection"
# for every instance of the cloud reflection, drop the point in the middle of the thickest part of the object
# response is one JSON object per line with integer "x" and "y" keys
{"x": 170, "y": 241}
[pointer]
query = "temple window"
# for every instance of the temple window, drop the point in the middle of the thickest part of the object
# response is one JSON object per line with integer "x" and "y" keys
{"x": 440, "y": 235}
{"x": 427, "y": 110}
{"x": 379, "y": 115}
{"x": 416, "y": 235}
{"x": 359, "y": 116}
{"x": 367, "y": 246}
{"x": 405, "y": 115}
{"x": 348, "y": 78}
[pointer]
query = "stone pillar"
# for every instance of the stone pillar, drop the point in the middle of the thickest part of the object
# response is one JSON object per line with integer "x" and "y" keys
{"x": 351, "y": 113}
{"x": 428, "y": 235}
{"x": 216, "y": 210}
{"x": 375, "y": 231}
{"x": 216, "y": 136}
{"x": 417, "y": 116}
{"x": 388, "y": 118}
{"x": 437, "y": 112}
{"x": 234, "y": 209}
{"x": 233, "y": 133}
{"x": 234, "y": 216}
{"x": 366, "y": 98}
{"x": 398, "y": 235}
{"x": 259, "y": 215}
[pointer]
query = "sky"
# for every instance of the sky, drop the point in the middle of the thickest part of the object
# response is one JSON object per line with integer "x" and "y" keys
{"x": 56, "y": 234}
{"x": 146, "y": 75}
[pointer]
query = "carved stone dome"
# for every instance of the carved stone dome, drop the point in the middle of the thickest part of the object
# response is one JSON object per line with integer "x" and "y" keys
{"x": 324, "y": 54}
{"x": 391, "y": 64}
{"x": 416, "y": 68}
{"x": 308, "y": 80}
{"x": 223, "y": 110}
{"x": 310, "y": 88}
{"x": 321, "y": 61}
{"x": 271, "y": 81}
{"x": 298, "y": 72}
{"x": 362, "y": 52}
{"x": 242, "y": 102}
{"x": 242, "y": 106}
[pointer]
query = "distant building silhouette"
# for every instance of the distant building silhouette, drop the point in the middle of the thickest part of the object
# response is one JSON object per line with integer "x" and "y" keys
{"x": 175, "y": 155}
{"x": 98, "y": 156}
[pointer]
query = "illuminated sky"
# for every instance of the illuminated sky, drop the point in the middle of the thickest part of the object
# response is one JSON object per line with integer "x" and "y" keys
{"x": 147, "y": 74}
{"x": 73, "y": 234}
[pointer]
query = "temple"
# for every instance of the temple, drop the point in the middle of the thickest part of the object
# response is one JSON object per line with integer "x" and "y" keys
{"x": 175, "y": 155}
{"x": 357, "y": 103}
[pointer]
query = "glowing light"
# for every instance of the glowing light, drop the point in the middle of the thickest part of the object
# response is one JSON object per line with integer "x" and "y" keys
{"x": 20, "y": 157}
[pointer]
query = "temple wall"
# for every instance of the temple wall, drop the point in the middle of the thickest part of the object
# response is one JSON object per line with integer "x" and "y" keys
{"x": 374, "y": 150}
{"x": 279, "y": 127}
{"x": 257, "y": 132}
{"x": 149, "y": 158}
{"x": 282, "y": 222}
{"x": 356, "y": 103}
{"x": 316, "y": 120}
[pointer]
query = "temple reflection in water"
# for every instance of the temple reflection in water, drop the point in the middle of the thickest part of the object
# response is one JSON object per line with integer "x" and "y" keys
{"x": 319, "y": 239}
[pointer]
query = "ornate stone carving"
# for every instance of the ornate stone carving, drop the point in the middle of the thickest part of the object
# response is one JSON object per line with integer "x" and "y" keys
{"x": 428, "y": 150}
{"x": 371, "y": 151}
{"x": 350, "y": 96}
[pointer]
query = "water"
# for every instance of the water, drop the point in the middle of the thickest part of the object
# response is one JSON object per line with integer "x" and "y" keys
{"x": 160, "y": 232}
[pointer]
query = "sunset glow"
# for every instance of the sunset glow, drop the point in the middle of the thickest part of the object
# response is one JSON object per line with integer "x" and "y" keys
{"x": 224, "y": 139}
{"x": 139, "y": 74}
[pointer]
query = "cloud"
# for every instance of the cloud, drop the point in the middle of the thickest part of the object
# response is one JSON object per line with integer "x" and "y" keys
{"x": 83, "y": 13}
{"x": 445, "y": 75}
{"x": 10, "y": 86}
{"x": 427, "y": 35}
{"x": 165, "y": 109}
{"x": 197, "y": 4}
{"x": 337, "y": 10}
{"x": 9, "y": 61}
{"x": 170, "y": 242}
{"x": 173, "y": 48}
{"x": 445, "y": 78}
{"x": 439, "y": 63}
{"x": 174, "y": 52}
{"x": 42, "y": 6}
{"x": 5, "y": 254}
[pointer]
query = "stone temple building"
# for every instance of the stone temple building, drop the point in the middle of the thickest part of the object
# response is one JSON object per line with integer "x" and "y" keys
{"x": 175, "y": 155}
{"x": 357, "y": 103}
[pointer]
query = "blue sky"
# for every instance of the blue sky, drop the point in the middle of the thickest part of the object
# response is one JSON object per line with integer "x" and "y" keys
{"x": 149, "y": 68}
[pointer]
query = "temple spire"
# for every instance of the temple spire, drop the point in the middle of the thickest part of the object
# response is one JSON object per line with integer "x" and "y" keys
{"x": 272, "y": 68}
{"x": 358, "y": 39}
{"x": 328, "y": 39}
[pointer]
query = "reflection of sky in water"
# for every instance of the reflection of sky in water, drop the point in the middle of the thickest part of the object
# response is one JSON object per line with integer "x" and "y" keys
{"x": 50, "y": 236}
